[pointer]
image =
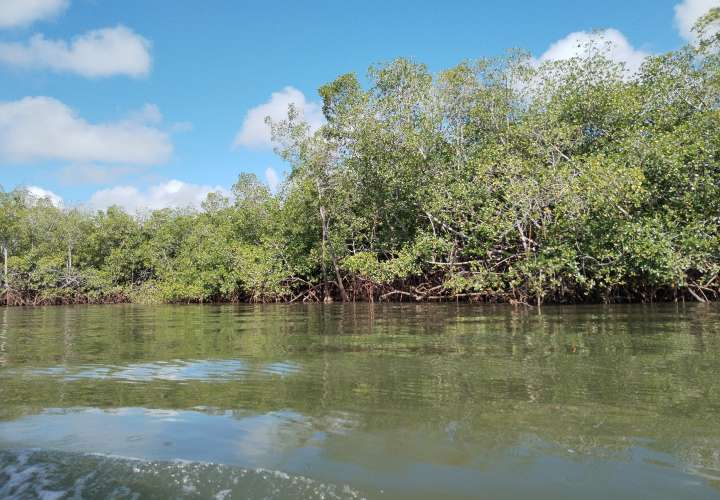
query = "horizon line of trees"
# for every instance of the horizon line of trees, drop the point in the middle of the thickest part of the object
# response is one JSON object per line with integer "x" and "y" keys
{"x": 497, "y": 180}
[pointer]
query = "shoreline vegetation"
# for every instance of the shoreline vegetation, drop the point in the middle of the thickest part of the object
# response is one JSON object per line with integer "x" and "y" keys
{"x": 501, "y": 180}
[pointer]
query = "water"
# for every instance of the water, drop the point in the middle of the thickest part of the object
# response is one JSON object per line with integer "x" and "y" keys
{"x": 356, "y": 401}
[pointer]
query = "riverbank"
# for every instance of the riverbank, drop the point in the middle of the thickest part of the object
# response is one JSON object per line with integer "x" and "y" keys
{"x": 370, "y": 293}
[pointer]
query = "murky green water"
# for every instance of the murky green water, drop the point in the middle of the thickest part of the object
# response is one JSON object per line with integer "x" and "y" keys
{"x": 357, "y": 401}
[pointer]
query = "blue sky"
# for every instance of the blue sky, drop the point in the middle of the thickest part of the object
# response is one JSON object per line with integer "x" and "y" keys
{"x": 149, "y": 102}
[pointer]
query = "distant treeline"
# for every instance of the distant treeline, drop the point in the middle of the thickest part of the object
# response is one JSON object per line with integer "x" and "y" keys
{"x": 497, "y": 180}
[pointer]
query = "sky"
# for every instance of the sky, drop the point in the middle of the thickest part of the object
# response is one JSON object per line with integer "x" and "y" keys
{"x": 155, "y": 103}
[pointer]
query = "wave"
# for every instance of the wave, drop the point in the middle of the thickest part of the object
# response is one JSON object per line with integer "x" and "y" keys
{"x": 51, "y": 475}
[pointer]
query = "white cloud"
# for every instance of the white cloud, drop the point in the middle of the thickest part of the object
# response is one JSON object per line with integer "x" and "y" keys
{"x": 687, "y": 14}
{"x": 99, "y": 53}
{"x": 149, "y": 114}
{"x": 580, "y": 43}
{"x": 256, "y": 134}
{"x": 40, "y": 193}
{"x": 272, "y": 178}
{"x": 22, "y": 12}
{"x": 173, "y": 193}
{"x": 42, "y": 128}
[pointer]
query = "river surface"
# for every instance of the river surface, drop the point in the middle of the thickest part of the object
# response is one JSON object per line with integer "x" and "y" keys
{"x": 360, "y": 401}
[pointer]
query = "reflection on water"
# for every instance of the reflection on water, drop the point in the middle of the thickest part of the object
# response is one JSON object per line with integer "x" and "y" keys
{"x": 388, "y": 401}
{"x": 179, "y": 370}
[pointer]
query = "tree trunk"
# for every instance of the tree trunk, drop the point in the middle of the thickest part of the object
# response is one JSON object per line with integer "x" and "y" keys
{"x": 326, "y": 248}
{"x": 6, "y": 284}
{"x": 338, "y": 277}
{"x": 323, "y": 220}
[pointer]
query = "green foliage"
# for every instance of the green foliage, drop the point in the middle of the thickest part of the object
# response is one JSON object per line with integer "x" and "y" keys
{"x": 367, "y": 266}
{"x": 496, "y": 180}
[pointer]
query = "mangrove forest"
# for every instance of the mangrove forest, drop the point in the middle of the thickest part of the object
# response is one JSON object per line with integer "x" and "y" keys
{"x": 498, "y": 180}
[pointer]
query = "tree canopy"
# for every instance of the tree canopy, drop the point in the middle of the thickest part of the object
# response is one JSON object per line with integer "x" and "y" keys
{"x": 496, "y": 180}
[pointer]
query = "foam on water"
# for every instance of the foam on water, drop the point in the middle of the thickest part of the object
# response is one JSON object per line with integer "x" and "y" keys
{"x": 51, "y": 475}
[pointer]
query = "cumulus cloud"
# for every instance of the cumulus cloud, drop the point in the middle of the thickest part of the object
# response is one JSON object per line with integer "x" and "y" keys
{"x": 99, "y": 53}
{"x": 272, "y": 178}
{"x": 687, "y": 14}
{"x": 256, "y": 134}
{"x": 149, "y": 114}
{"x": 171, "y": 194}
{"x": 42, "y": 128}
{"x": 579, "y": 44}
{"x": 40, "y": 193}
{"x": 22, "y": 12}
